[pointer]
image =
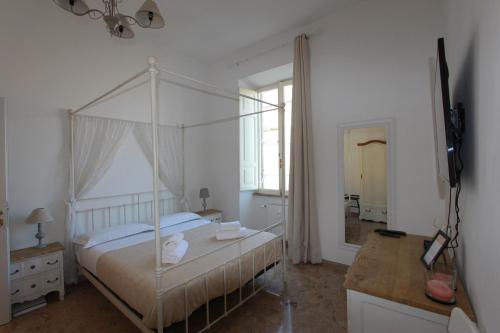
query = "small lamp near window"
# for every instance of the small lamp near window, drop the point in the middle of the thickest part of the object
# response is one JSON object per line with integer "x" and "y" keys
{"x": 204, "y": 194}
{"x": 39, "y": 216}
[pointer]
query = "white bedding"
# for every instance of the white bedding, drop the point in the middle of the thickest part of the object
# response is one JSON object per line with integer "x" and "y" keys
{"x": 88, "y": 258}
{"x": 221, "y": 266}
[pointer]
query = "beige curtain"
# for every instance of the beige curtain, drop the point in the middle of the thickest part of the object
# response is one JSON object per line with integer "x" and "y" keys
{"x": 302, "y": 216}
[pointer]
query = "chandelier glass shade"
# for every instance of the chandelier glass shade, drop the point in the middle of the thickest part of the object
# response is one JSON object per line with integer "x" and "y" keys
{"x": 119, "y": 25}
{"x": 149, "y": 15}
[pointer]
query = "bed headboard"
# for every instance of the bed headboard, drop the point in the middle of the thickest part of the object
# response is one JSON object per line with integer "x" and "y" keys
{"x": 103, "y": 212}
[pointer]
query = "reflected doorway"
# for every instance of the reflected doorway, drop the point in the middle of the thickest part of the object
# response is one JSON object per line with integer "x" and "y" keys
{"x": 365, "y": 182}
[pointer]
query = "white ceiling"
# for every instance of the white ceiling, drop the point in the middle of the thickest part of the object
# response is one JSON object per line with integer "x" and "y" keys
{"x": 210, "y": 29}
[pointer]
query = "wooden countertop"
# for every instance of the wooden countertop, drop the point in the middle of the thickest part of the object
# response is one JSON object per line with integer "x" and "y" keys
{"x": 390, "y": 268}
{"x": 31, "y": 252}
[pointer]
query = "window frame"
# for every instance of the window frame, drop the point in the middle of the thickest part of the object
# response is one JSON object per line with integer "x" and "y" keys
{"x": 281, "y": 136}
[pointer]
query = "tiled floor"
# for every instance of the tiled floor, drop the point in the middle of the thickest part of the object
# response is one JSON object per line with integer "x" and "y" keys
{"x": 315, "y": 302}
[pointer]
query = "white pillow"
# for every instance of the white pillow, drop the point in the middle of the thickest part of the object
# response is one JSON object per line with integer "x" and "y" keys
{"x": 176, "y": 218}
{"x": 109, "y": 234}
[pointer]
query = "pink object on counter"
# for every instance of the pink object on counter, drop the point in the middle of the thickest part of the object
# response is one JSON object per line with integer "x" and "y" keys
{"x": 440, "y": 291}
{"x": 442, "y": 277}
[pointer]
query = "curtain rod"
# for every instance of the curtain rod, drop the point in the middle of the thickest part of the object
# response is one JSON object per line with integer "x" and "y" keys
{"x": 213, "y": 122}
{"x": 213, "y": 86}
{"x": 129, "y": 121}
{"x": 110, "y": 97}
{"x": 199, "y": 90}
{"x": 142, "y": 83}
{"x": 109, "y": 92}
{"x": 223, "y": 120}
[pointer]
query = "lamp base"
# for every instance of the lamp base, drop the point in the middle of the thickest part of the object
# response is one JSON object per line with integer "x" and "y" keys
{"x": 40, "y": 236}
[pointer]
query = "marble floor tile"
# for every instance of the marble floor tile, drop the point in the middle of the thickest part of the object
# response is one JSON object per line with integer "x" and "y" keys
{"x": 314, "y": 301}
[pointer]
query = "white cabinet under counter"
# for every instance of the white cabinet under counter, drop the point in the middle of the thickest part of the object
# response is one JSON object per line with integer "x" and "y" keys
{"x": 386, "y": 290}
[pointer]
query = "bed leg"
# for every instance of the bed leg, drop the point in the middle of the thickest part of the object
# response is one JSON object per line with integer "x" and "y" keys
{"x": 159, "y": 306}
{"x": 186, "y": 320}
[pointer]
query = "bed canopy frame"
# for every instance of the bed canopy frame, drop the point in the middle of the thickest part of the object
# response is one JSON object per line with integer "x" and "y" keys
{"x": 153, "y": 70}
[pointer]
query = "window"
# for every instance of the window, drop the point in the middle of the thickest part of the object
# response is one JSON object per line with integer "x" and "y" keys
{"x": 259, "y": 138}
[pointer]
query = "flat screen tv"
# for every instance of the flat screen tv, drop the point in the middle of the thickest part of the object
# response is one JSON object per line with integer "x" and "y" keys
{"x": 448, "y": 123}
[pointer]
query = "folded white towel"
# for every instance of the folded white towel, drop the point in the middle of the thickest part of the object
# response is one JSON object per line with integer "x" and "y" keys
{"x": 231, "y": 234}
{"x": 173, "y": 241}
{"x": 236, "y": 225}
{"x": 174, "y": 257}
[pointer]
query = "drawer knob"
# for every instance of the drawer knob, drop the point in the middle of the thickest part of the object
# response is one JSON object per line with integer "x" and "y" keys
{"x": 33, "y": 286}
{"x": 52, "y": 281}
{"x": 15, "y": 292}
{"x": 53, "y": 262}
{"x": 32, "y": 266}
{"x": 15, "y": 272}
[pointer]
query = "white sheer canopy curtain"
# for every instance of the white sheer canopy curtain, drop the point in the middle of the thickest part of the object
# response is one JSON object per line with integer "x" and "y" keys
{"x": 96, "y": 142}
{"x": 171, "y": 169}
{"x": 302, "y": 215}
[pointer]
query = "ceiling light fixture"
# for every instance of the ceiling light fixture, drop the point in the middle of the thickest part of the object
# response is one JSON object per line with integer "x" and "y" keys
{"x": 119, "y": 25}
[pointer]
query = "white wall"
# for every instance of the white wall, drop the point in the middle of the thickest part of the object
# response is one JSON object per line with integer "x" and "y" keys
{"x": 257, "y": 211}
{"x": 369, "y": 61}
{"x": 473, "y": 53}
{"x": 54, "y": 61}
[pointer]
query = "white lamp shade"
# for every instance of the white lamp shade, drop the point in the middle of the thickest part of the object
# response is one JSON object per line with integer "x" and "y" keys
{"x": 39, "y": 215}
{"x": 149, "y": 15}
{"x": 74, "y": 6}
{"x": 122, "y": 28}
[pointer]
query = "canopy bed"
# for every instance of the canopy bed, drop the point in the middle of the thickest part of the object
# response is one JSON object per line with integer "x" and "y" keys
{"x": 155, "y": 295}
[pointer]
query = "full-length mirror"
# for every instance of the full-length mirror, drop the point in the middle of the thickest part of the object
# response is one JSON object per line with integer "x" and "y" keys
{"x": 365, "y": 182}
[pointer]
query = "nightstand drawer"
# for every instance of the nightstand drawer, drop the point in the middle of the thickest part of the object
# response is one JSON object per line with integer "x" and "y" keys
{"x": 16, "y": 291}
{"x": 32, "y": 266}
{"x": 16, "y": 271}
{"x": 51, "y": 261}
{"x": 32, "y": 288}
{"x": 51, "y": 280}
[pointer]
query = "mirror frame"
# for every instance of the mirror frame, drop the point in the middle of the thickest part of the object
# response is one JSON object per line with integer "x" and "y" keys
{"x": 388, "y": 124}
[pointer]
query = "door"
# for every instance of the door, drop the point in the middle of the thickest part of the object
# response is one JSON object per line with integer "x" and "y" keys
{"x": 4, "y": 224}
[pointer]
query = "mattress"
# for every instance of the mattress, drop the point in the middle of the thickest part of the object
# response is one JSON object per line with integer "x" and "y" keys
{"x": 126, "y": 266}
{"x": 88, "y": 258}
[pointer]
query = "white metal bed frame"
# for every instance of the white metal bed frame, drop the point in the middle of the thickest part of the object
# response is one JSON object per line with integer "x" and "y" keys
{"x": 156, "y": 203}
{"x": 127, "y": 208}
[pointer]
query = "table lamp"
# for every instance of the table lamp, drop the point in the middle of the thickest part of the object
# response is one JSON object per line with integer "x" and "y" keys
{"x": 204, "y": 194}
{"x": 39, "y": 216}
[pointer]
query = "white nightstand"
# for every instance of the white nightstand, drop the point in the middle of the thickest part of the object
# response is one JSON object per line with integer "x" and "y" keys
{"x": 213, "y": 215}
{"x": 35, "y": 272}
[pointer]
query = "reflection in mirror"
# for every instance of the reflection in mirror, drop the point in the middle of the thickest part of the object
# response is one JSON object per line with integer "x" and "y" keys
{"x": 365, "y": 182}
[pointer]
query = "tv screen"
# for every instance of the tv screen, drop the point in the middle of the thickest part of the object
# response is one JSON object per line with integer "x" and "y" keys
{"x": 444, "y": 126}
